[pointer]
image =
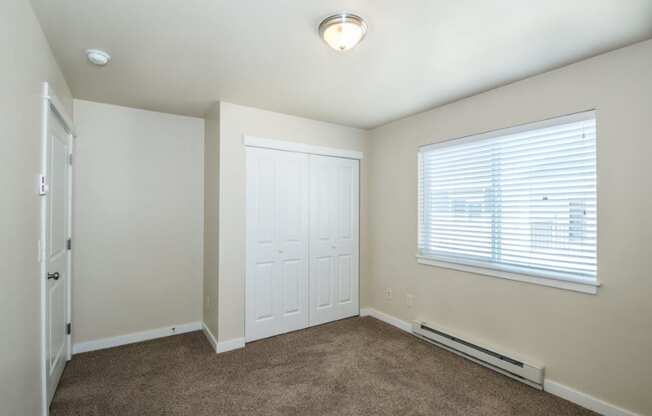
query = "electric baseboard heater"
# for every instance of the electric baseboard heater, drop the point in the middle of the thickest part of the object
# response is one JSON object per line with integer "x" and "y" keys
{"x": 529, "y": 374}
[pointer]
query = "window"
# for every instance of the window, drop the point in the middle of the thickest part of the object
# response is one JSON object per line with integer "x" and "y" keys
{"x": 518, "y": 203}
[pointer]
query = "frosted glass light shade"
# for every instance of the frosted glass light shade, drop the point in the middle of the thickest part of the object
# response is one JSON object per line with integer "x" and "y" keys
{"x": 342, "y": 31}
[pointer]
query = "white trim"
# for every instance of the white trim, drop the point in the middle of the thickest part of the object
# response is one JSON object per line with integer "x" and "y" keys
{"x": 70, "y": 270}
{"x": 45, "y": 112}
{"x": 209, "y": 335}
{"x": 582, "y": 116}
{"x": 100, "y": 344}
{"x": 549, "y": 386}
{"x": 388, "y": 319}
{"x": 560, "y": 283}
{"x": 301, "y": 148}
{"x": 585, "y": 400}
{"x": 59, "y": 109}
{"x": 230, "y": 345}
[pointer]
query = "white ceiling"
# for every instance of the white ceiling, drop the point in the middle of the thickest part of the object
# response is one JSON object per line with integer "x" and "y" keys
{"x": 179, "y": 56}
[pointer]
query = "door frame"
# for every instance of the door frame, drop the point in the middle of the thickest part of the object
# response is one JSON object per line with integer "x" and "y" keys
{"x": 298, "y": 147}
{"x": 52, "y": 104}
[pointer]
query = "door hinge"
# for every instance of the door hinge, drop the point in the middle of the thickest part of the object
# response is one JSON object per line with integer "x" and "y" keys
{"x": 68, "y": 328}
{"x": 69, "y": 244}
{"x": 42, "y": 185}
{"x": 70, "y": 158}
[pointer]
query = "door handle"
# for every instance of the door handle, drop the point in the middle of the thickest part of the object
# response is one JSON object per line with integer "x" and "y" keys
{"x": 54, "y": 276}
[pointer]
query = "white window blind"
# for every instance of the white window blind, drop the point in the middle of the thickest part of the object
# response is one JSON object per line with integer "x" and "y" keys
{"x": 520, "y": 200}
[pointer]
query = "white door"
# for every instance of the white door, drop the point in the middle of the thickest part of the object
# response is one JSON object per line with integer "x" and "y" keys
{"x": 55, "y": 248}
{"x": 334, "y": 199}
{"x": 277, "y": 243}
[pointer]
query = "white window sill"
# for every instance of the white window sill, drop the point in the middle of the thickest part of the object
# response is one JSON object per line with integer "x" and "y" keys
{"x": 561, "y": 283}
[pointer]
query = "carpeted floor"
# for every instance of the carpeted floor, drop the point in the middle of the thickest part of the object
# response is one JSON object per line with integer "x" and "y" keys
{"x": 358, "y": 366}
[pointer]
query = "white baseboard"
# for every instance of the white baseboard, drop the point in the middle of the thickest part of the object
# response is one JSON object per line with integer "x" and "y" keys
{"x": 100, "y": 344}
{"x": 389, "y": 319}
{"x": 230, "y": 345}
{"x": 552, "y": 387}
{"x": 584, "y": 400}
{"x": 209, "y": 335}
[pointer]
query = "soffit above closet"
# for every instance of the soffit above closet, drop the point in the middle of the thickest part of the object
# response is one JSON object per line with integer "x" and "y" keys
{"x": 181, "y": 56}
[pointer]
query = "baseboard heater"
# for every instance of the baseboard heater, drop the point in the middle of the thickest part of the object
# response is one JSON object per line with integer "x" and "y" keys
{"x": 529, "y": 374}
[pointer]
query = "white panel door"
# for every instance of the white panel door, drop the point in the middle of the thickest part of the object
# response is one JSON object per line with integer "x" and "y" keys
{"x": 57, "y": 258}
{"x": 334, "y": 207}
{"x": 277, "y": 243}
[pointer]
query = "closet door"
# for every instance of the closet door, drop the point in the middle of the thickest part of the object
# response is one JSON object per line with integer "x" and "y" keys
{"x": 277, "y": 242}
{"x": 334, "y": 199}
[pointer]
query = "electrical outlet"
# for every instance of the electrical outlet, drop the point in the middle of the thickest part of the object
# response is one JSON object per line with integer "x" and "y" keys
{"x": 388, "y": 293}
{"x": 409, "y": 300}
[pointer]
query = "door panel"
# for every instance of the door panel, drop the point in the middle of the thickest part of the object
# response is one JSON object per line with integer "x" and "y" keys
{"x": 347, "y": 237}
{"x": 56, "y": 337}
{"x": 334, "y": 188}
{"x": 292, "y": 239}
{"x": 264, "y": 301}
{"x": 290, "y": 219}
{"x": 56, "y": 252}
{"x": 322, "y": 281}
{"x": 277, "y": 236}
{"x": 322, "y": 189}
{"x": 266, "y": 205}
{"x": 292, "y": 286}
{"x": 345, "y": 277}
{"x": 344, "y": 193}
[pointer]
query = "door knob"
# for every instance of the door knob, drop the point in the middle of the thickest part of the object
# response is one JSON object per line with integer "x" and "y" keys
{"x": 54, "y": 276}
{"x": 280, "y": 252}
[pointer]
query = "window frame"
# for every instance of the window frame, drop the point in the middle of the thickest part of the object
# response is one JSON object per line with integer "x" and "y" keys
{"x": 522, "y": 274}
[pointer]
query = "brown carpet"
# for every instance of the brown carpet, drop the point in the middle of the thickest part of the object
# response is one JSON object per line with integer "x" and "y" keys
{"x": 358, "y": 366}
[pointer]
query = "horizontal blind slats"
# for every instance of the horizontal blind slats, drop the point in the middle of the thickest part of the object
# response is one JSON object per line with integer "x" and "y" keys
{"x": 574, "y": 261}
{"x": 485, "y": 261}
{"x": 540, "y": 156}
{"x": 508, "y": 248}
{"x": 578, "y": 141}
{"x": 518, "y": 166}
{"x": 525, "y": 199}
{"x": 580, "y": 168}
{"x": 586, "y": 240}
{"x": 505, "y": 141}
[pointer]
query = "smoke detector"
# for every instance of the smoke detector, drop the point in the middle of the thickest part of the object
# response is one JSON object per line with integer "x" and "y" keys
{"x": 98, "y": 57}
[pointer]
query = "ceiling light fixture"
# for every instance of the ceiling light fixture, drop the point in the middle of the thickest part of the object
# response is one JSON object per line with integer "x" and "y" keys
{"x": 98, "y": 57}
{"x": 342, "y": 31}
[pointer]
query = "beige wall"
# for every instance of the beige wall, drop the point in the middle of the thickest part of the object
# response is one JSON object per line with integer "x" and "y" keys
{"x": 598, "y": 344}
{"x": 25, "y": 63}
{"x": 211, "y": 210}
{"x": 138, "y": 220}
{"x": 235, "y": 122}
